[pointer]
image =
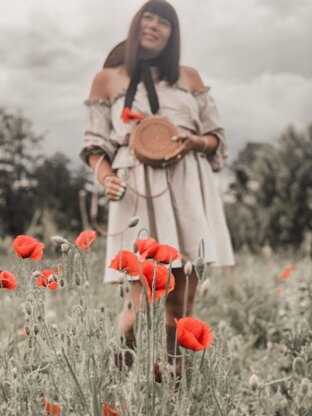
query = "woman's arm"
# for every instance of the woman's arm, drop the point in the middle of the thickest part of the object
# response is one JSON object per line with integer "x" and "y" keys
{"x": 105, "y": 175}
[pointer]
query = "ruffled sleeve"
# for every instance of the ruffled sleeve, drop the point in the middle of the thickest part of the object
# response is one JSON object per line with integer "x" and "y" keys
{"x": 210, "y": 123}
{"x": 97, "y": 134}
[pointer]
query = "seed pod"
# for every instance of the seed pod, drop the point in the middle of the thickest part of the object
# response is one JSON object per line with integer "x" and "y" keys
{"x": 188, "y": 268}
{"x": 253, "y": 382}
{"x": 299, "y": 366}
{"x": 28, "y": 308}
{"x": 36, "y": 329}
{"x": 304, "y": 386}
{"x": 133, "y": 222}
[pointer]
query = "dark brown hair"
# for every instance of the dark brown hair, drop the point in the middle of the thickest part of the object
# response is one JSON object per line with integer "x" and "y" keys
{"x": 116, "y": 56}
{"x": 170, "y": 56}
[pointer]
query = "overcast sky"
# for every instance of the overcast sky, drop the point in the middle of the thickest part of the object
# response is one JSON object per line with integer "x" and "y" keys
{"x": 255, "y": 55}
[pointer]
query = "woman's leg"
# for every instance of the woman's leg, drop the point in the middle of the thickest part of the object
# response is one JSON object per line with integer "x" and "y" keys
{"x": 174, "y": 310}
{"x": 127, "y": 316}
{"x": 126, "y": 320}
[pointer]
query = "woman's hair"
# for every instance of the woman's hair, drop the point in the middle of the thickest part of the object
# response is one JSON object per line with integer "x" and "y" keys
{"x": 170, "y": 56}
{"x": 116, "y": 56}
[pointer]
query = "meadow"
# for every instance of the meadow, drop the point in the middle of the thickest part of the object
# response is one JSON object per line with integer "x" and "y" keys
{"x": 58, "y": 347}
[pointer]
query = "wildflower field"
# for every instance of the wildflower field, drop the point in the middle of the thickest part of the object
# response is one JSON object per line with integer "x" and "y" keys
{"x": 58, "y": 338}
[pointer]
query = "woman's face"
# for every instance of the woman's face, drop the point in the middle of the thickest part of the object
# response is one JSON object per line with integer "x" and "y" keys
{"x": 155, "y": 32}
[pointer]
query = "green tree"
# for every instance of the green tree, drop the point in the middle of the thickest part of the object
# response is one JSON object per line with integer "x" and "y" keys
{"x": 19, "y": 153}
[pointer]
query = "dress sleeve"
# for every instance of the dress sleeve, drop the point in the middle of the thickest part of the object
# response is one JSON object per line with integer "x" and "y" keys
{"x": 97, "y": 130}
{"x": 211, "y": 124}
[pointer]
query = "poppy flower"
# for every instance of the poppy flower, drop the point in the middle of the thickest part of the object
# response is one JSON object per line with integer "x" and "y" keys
{"x": 28, "y": 247}
{"x": 287, "y": 272}
{"x": 149, "y": 248}
{"x": 7, "y": 280}
{"x": 85, "y": 239}
{"x": 148, "y": 270}
{"x": 125, "y": 261}
{"x": 110, "y": 411}
{"x": 128, "y": 115}
{"x": 193, "y": 334}
{"x": 53, "y": 409}
{"x": 43, "y": 279}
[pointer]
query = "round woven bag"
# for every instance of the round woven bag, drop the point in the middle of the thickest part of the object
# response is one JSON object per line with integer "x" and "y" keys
{"x": 153, "y": 139}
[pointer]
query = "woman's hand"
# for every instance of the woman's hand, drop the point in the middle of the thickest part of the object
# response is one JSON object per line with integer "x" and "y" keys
{"x": 191, "y": 142}
{"x": 114, "y": 187}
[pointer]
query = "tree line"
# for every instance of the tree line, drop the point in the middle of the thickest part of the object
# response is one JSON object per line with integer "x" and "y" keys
{"x": 269, "y": 200}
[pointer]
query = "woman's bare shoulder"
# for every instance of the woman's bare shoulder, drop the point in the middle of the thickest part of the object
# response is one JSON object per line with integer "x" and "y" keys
{"x": 105, "y": 81}
{"x": 190, "y": 77}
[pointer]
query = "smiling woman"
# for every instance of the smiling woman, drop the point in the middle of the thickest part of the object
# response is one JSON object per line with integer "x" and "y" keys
{"x": 178, "y": 202}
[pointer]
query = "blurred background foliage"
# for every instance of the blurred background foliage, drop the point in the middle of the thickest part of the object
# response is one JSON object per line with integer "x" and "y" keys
{"x": 268, "y": 200}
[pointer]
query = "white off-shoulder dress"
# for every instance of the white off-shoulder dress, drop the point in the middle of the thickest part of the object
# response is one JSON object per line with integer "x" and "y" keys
{"x": 191, "y": 208}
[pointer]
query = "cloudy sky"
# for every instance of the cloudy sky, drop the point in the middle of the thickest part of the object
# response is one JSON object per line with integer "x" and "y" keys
{"x": 255, "y": 55}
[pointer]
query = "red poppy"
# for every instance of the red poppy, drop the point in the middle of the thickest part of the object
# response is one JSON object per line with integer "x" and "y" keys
{"x": 149, "y": 248}
{"x": 7, "y": 280}
{"x": 125, "y": 261}
{"x": 128, "y": 115}
{"x": 85, "y": 239}
{"x": 193, "y": 334}
{"x": 287, "y": 272}
{"x": 53, "y": 409}
{"x": 148, "y": 270}
{"x": 28, "y": 247}
{"x": 110, "y": 411}
{"x": 43, "y": 279}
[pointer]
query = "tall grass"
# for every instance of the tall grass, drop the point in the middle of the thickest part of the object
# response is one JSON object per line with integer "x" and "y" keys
{"x": 61, "y": 346}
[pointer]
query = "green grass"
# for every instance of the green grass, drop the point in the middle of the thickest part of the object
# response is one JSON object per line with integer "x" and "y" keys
{"x": 71, "y": 359}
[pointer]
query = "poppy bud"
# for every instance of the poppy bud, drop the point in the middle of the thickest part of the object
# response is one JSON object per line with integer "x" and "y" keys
{"x": 253, "y": 382}
{"x": 59, "y": 354}
{"x": 199, "y": 266}
{"x": 87, "y": 284}
{"x": 102, "y": 309}
{"x": 304, "y": 386}
{"x": 64, "y": 248}
{"x": 204, "y": 289}
{"x": 36, "y": 329}
{"x": 188, "y": 268}
{"x": 14, "y": 372}
{"x": 62, "y": 282}
{"x": 27, "y": 331}
{"x": 36, "y": 274}
{"x": 133, "y": 222}
{"x": 28, "y": 308}
{"x": 52, "y": 278}
{"x": 130, "y": 304}
{"x": 77, "y": 279}
{"x": 121, "y": 291}
{"x": 58, "y": 239}
{"x": 299, "y": 366}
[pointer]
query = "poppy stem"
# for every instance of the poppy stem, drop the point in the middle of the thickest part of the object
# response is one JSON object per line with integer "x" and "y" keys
{"x": 185, "y": 295}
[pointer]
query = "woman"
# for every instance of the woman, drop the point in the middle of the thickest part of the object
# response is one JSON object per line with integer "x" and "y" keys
{"x": 149, "y": 79}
